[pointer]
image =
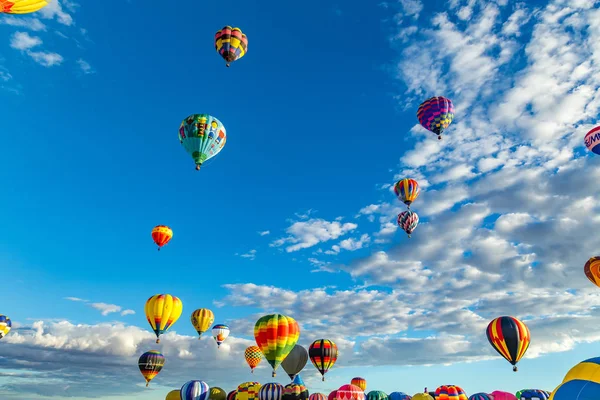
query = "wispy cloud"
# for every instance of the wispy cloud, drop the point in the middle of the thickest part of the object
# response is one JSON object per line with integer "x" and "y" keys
{"x": 305, "y": 234}
{"x": 85, "y": 67}
{"x": 127, "y": 312}
{"x": 104, "y": 308}
{"x": 264, "y": 233}
{"x": 24, "y": 42}
{"x": 54, "y": 10}
{"x": 75, "y": 299}
{"x": 33, "y": 24}
{"x": 250, "y": 255}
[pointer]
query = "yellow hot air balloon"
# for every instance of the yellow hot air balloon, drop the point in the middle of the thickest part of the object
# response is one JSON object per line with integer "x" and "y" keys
{"x": 202, "y": 319}
{"x": 248, "y": 391}
{"x": 162, "y": 311}
{"x": 276, "y": 335}
{"x": 21, "y": 6}
{"x": 174, "y": 395}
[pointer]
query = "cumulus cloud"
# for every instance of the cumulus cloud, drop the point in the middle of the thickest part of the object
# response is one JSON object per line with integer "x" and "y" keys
{"x": 54, "y": 10}
{"x": 264, "y": 233}
{"x": 305, "y": 234}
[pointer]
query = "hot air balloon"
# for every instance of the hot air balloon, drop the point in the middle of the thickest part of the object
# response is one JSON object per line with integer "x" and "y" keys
{"x": 161, "y": 234}
{"x": 220, "y": 333}
{"x": 510, "y": 337}
{"x": 408, "y": 221}
{"x": 332, "y": 395}
{"x": 480, "y": 396}
{"x": 295, "y": 361}
{"x": 231, "y": 395}
{"x": 202, "y": 319}
{"x": 231, "y": 44}
{"x": 294, "y": 391}
{"x": 532, "y": 394}
{"x": 173, "y": 395}
{"x": 248, "y": 391}
{"x": 422, "y": 396}
{"x": 500, "y": 395}
{"x": 323, "y": 354}
{"x": 317, "y": 396}
{"x": 194, "y": 390}
{"x": 203, "y": 137}
{"x": 150, "y": 364}
{"x": 360, "y": 382}
{"x": 216, "y": 393}
{"x": 407, "y": 190}
{"x": 450, "y": 392}
{"x": 592, "y": 270}
{"x": 21, "y": 6}
{"x": 350, "y": 392}
{"x": 276, "y": 335}
{"x": 270, "y": 391}
{"x": 5, "y": 325}
{"x": 253, "y": 355}
{"x": 582, "y": 382}
{"x": 376, "y": 395}
{"x": 592, "y": 140}
{"x": 436, "y": 114}
{"x": 399, "y": 396}
{"x": 162, "y": 311}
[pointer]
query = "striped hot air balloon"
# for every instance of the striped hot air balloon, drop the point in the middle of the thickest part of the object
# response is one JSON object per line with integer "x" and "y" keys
{"x": 150, "y": 364}
{"x": 323, "y": 354}
{"x": 294, "y": 391}
{"x": 231, "y": 395}
{"x": 317, "y": 396}
{"x": 194, "y": 390}
{"x": 220, "y": 333}
{"x": 450, "y": 392}
{"x": 248, "y": 391}
{"x": 276, "y": 335}
{"x": 162, "y": 311}
{"x": 161, "y": 234}
{"x": 376, "y": 395}
{"x": 509, "y": 337}
{"x": 231, "y": 44}
{"x": 202, "y": 319}
{"x": 360, "y": 382}
{"x": 592, "y": 270}
{"x": 407, "y": 190}
{"x": 408, "y": 221}
{"x": 480, "y": 396}
{"x": 271, "y": 391}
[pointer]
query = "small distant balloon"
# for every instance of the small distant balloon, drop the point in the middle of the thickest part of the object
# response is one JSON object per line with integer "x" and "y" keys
{"x": 5, "y": 325}
{"x": 161, "y": 234}
{"x": 436, "y": 114}
{"x": 231, "y": 44}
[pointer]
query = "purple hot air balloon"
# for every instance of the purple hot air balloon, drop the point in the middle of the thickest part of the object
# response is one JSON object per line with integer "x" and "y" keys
{"x": 436, "y": 114}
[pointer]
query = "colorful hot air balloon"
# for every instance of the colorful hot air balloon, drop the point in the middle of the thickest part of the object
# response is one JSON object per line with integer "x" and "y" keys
{"x": 5, "y": 325}
{"x": 150, "y": 364}
{"x": 162, "y": 311}
{"x": 360, "y": 382}
{"x": 248, "y": 391}
{"x": 317, "y": 396}
{"x": 408, "y": 221}
{"x": 21, "y": 6}
{"x": 173, "y": 395}
{"x": 399, "y": 396}
{"x": 592, "y": 270}
{"x": 592, "y": 140}
{"x": 231, "y": 395}
{"x": 161, "y": 234}
{"x": 350, "y": 392}
{"x": 295, "y": 361}
{"x": 253, "y": 356}
{"x": 332, "y": 395}
{"x": 203, "y": 137}
{"x": 202, "y": 319}
{"x": 270, "y": 391}
{"x": 220, "y": 333}
{"x": 276, "y": 335}
{"x": 231, "y": 44}
{"x": 376, "y": 395}
{"x": 480, "y": 396}
{"x": 323, "y": 354}
{"x": 582, "y": 382}
{"x": 436, "y": 114}
{"x": 194, "y": 390}
{"x": 216, "y": 393}
{"x": 510, "y": 337}
{"x": 450, "y": 392}
{"x": 500, "y": 395}
{"x": 294, "y": 391}
{"x": 407, "y": 190}
{"x": 532, "y": 394}
{"x": 422, "y": 396}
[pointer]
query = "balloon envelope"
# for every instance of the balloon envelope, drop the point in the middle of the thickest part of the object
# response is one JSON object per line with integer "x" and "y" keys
{"x": 295, "y": 361}
{"x": 194, "y": 390}
{"x": 21, "y": 6}
{"x": 499, "y": 395}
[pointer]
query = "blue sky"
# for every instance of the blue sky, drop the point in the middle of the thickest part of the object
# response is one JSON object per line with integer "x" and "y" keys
{"x": 296, "y": 214}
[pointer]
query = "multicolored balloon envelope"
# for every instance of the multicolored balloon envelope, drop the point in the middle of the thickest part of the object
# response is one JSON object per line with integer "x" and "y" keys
{"x": 162, "y": 311}
{"x": 231, "y": 44}
{"x": 150, "y": 364}
{"x": 5, "y": 325}
{"x": 202, "y": 136}
{"x": 591, "y": 269}
{"x": 407, "y": 190}
{"x": 408, "y": 221}
{"x": 202, "y": 319}
{"x": 350, "y": 392}
{"x": 582, "y": 382}
{"x": 592, "y": 140}
{"x": 323, "y": 354}
{"x": 161, "y": 234}
{"x": 194, "y": 390}
{"x": 270, "y": 391}
{"x": 480, "y": 396}
{"x": 436, "y": 114}
{"x": 21, "y": 6}
{"x": 276, "y": 335}
{"x": 248, "y": 391}
{"x": 509, "y": 337}
{"x": 220, "y": 333}
{"x": 360, "y": 382}
{"x": 253, "y": 356}
{"x": 399, "y": 396}
{"x": 532, "y": 394}
{"x": 450, "y": 392}
{"x": 293, "y": 391}
{"x": 317, "y": 396}
{"x": 376, "y": 395}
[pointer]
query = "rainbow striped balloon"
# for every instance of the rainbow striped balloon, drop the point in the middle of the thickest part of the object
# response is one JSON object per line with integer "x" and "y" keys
{"x": 276, "y": 335}
{"x": 270, "y": 391}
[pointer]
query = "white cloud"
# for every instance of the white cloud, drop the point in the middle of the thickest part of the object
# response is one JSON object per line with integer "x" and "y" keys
{"x": 250, "y": 255}
{"x": 75, "y": 299}
{"x": 54, "y": 10}
{"x": 46, "y": 59}
{"x": 85, "y": 67}
{"x": 264, "y": 233}
{"x": 23, "y": 41}
{"x": 127, "y": 312}
{"x": 105, "y": 308}
{"x": 305, "y": 234}
{"x": 33, "y": 24}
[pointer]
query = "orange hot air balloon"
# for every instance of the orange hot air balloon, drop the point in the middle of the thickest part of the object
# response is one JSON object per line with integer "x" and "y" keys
{"x": 592, "y": 270}
{"x": 360, "y": 382}
{"x": 450, "y": 392}
{"x": 510, "y": 337}
{"x": 253, "y": 357}
{"x": 161, "y": 234}
{"x": 276, "y": 335}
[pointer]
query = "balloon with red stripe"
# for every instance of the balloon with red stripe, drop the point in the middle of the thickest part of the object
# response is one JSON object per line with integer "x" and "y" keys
{"x": 510, "y": 337}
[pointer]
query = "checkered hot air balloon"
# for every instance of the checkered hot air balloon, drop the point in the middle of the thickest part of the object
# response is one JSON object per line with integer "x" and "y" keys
{"x": 436, "y": 114}
{"x": 231, "y": 44}
{"x": 253, "y": 356}
{"x": 271, "y": 391}
{"x": 323, "y": 354}
{"x": 450, "y": 392}
{"x": 509, "y": 337}
{"x": 276, "y": 335}
{"x": 407, "y": 190}
{"x": 408, "y": 221}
